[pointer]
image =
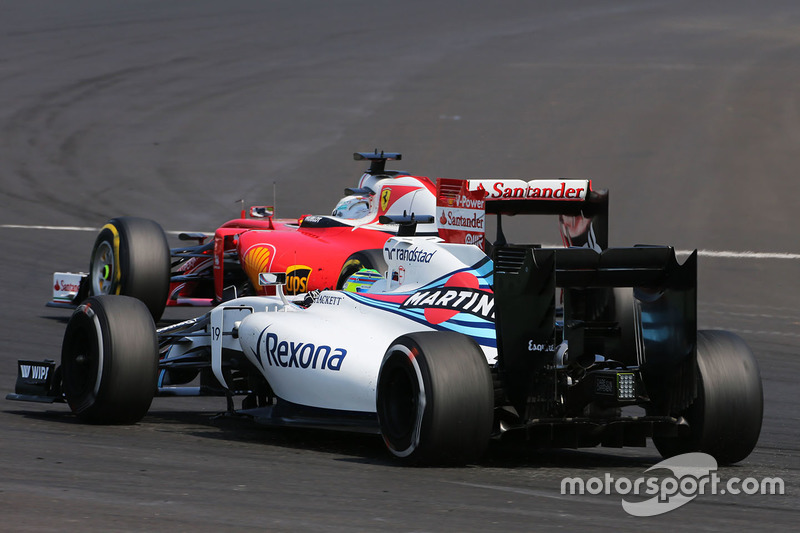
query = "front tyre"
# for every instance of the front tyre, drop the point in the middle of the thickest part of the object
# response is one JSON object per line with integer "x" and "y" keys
{"x": 435, "y": 399}
{"x": 131, "y": 257}
{"x": 109, "y": 360}
{"x": 725, "y": 418}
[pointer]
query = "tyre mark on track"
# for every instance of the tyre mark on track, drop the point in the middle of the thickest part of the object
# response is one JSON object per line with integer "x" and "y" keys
{"x": 751, "y": 315}
{"x": 44, "y": 137}
{"x": 754, "y": 331}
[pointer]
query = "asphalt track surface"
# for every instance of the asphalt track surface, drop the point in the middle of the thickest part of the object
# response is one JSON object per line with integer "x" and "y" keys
{"x": 687, "y": 111}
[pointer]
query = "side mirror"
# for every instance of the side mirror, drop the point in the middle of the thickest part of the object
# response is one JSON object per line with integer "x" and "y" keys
{"x": 262, "y": 211}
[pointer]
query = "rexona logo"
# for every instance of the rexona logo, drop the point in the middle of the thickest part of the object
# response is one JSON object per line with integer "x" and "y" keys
{"x": 460, "y": 294}
{"x": 297, "y": 279}
{"x": 303, "y": 355}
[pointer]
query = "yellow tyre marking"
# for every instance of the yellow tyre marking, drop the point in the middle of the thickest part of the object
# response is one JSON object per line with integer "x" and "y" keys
{"x": 117, "y": 270}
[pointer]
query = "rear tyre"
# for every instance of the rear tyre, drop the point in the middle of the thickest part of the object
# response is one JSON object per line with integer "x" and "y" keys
{"x": 131, "y": 257}
{"x": 371, "y": 259}
{"x": 725, "y": 418}
{"x": 626, "y": 316}
{"x": 435, "y": 399}
{"x": 109, "y": 360}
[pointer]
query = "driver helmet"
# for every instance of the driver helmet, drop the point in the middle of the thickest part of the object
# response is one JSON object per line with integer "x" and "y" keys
{"x": 362, "y": 280}
{"x": 352, "y": 207}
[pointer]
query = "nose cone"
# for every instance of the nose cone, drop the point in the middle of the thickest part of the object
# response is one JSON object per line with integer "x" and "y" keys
{"x": 250, "y": 331}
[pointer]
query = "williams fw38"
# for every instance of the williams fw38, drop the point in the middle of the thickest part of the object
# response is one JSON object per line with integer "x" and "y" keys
{"x": 565, "y": 347}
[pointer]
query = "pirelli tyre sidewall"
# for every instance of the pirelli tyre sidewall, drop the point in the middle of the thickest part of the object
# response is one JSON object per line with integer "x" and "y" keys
{"x": 435, "y": 399}
{"x": 131, "y": 257}
{"x": 109, "y": 360}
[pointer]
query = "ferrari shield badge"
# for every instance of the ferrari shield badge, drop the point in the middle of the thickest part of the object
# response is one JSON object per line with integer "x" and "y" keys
{"x": 385, "y": 195}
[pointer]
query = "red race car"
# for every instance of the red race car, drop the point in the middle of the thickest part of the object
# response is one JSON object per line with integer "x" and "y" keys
{"x": 131, "y": 255}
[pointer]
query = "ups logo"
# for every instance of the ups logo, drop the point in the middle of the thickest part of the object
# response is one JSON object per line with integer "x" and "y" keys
{"x": 297, "y": 279}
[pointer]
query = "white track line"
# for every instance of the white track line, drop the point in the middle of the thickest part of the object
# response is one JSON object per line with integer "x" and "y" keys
{"x": 702, "y": 253}
{"x": 741, "y": 255}
{"x": 52, "y": 228}
{"x": 81, "y": 228}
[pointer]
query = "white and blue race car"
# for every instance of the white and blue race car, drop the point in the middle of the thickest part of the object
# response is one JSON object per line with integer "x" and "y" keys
{"x": 447, "y": 349}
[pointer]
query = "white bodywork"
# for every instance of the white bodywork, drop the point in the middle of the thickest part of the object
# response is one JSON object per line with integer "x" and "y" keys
{"x": 66, "y": 286}
{"x": 410, "y": 196}
{"x": 329, "y": 354}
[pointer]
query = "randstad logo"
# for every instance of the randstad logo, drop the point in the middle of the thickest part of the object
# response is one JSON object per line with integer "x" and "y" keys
{"x": 693, "y": 474}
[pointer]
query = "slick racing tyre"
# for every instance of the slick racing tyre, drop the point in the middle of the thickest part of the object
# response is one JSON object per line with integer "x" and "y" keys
{"x": 725, "y": 418}
{"x": 109, "y": 360}
{"x": 370, "y": 259}
{"x": 435, "y": 399}
{"x": 626, "y": 317}
{"x": 131, "y": 257}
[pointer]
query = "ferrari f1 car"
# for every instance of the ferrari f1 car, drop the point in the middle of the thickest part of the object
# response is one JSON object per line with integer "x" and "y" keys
{"x": 131, "y": 255}
{"x": 564, "y": 347}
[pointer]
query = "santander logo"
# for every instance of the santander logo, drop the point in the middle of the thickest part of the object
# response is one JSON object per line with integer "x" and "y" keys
{"x": 514, "y": 189}
{"x": 64, "y": 286}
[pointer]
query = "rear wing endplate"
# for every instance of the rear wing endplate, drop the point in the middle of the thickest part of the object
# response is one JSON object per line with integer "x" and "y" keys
{"x": 461, "y": 208}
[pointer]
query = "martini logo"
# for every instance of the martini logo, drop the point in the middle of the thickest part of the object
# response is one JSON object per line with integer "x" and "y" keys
{"x": 460, "y": 294}
{"x": 385, "y": 195}
{"x": 297, "y": 279}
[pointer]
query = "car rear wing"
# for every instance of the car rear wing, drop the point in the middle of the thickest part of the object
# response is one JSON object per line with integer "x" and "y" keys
{"x": 462, "y": 205}
{"x": 652, "y": 327}
{"x": 377, "y": 159}
{"x": 377, "y": 167}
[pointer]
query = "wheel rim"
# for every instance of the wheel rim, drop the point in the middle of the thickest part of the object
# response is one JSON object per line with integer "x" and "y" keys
{"x": 400, "y": 404}
{"x": 103, "y": 269}
{"x": 81, "y": 366}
